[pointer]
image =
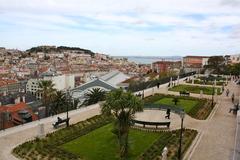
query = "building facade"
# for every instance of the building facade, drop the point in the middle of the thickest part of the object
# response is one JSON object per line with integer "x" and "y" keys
{"x": 235, "y": 58}
{"x": 165, "y": 66}
{"x": 61, "y": 82}
{"x": 194, "y": 63}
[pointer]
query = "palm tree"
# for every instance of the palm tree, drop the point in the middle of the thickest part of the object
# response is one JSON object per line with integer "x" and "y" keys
{"x": 122, "y": 105}
{"x": 47, "y": 91}
{"x": 95, "y": 95}
{"x": 60, "y": 102}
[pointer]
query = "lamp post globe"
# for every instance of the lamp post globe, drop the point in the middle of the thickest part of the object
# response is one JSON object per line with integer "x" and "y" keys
{"x": 182, "y": 115}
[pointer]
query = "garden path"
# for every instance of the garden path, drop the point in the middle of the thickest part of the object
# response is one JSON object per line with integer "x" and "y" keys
{"x": 216, "y": 140}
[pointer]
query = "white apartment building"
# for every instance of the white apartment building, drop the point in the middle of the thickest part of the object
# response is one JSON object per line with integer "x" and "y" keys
{"x": 61, "y": 82}
{"x": 235, "y": 58}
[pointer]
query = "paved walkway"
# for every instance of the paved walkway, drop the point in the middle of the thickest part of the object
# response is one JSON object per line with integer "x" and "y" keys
{"x": 218, "y": 132}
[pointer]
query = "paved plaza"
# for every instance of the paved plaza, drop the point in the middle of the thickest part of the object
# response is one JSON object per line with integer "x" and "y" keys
{"x": 215, "y": 140}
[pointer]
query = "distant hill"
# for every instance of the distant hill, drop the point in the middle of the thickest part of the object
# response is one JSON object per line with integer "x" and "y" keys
{"x": 52, "y": 49}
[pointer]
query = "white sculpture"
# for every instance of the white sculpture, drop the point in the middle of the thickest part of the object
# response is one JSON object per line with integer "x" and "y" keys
{"x": 164, "y": 153}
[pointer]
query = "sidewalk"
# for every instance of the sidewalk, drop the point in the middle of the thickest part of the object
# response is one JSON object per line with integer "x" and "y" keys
{"x": 217, "y": 140}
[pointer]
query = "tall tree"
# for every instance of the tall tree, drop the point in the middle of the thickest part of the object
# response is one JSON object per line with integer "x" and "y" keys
{"x": 60, "y": 102}
{"x": 235, "y": 69}
{"x": 47, "y": 91}
{"x": 122, "y": 105}
{"x": 94, "y": 95}
{"x": 216, "y": 63}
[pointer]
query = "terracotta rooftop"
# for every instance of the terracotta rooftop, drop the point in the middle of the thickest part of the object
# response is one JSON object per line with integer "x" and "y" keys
{"x": 14, "y": 107}
{"x": 4, "y": 82}
{"x": 14, "y": 111}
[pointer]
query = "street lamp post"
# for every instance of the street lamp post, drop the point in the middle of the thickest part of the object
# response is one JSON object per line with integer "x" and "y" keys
{"x": 213, "y": 90}
{"x": 68, "y": 102}
{"x": 182, "y": 115}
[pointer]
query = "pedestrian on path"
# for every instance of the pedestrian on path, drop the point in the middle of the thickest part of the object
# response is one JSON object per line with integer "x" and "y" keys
{"x": 227, "y": 92}
{"x": 168, "y": 113}
{"x": 233, "y": 98}
{"x": 158, "y": 84}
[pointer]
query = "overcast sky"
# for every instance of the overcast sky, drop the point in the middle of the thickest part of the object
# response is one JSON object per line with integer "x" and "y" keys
{"x": 124, "y": 27}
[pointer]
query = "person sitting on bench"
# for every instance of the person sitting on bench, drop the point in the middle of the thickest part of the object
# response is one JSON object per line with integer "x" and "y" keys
{"x": 59, "y": 119}
{"x": 234, "y": 109}
{"x": 168, "y": 113}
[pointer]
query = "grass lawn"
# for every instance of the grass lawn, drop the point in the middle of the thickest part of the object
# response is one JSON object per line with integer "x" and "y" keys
{"x": 194, "y": 89}
{"x": 187, "y": 105}
{"x": 195, "y": 107}
{"x": 102, "y": 144}
{"x": 92, "y": 139}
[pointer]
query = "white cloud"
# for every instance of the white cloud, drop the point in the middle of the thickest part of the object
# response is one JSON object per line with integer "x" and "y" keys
{"x": 138, "y": 25}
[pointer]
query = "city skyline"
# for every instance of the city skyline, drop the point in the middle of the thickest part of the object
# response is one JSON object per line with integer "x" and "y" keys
{"x": 136, "y": 28}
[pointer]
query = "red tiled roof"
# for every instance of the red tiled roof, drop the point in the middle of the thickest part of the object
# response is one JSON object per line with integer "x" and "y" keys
{"x": 13, "y": 110}
{"x": 43, "y": 69}
{"x": 14, "y": 107}
{"x": 4, "y": 82}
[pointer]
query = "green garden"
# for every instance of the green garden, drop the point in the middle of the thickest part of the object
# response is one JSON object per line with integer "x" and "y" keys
{"x": 109, "y": 135}
{"x": 195, "y": 107}
{"x": 202, "y": 82}
{"x": 93, "y": 139}
{"x": 195, "y": 89}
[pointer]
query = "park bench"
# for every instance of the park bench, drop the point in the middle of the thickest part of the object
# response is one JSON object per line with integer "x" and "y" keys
{"x": 60, "y": 121}
{"x": 234, "y": 109}
{"x": 144, "y": 123}
{"x": 184, "y": 93}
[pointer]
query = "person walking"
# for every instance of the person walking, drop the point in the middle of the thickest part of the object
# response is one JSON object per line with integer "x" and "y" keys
{"x": 168, "y": 113}
{"x": 233, "y": 98}
{"x": 227, "y": 92}
{"x": 158, "y": 84}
